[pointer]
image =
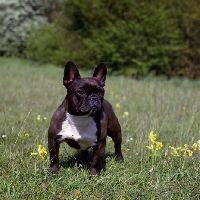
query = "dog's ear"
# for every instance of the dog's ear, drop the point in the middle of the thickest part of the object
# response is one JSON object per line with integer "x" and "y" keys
{"x": 100, "y": 72}
{"x": 70, "y": 73}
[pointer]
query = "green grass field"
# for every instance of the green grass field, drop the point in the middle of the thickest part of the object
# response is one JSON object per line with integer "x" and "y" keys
{"x": 169, "y": 107}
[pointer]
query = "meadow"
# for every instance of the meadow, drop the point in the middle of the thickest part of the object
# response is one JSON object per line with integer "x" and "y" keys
{"x": 160, "y": 120}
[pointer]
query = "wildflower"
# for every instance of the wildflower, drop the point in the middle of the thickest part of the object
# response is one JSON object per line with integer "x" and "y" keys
{"x": 159, "y": 145}
{"x": 118, "y": 105}
{"x": 45, "y": 119}
{"x": 153, "y": 144}
{"x": 150, "y": 147}
{"x": 196, "y": 145}
{"x": 4, "y": 136}
{"x": 174, "y": 151}
{"x": 33, "y": 154}
{"x": 181, "y": 151}
{"x": 189, "y": 152}
{"x": 152, "y": 137}
{"x": 151, "y": 170}
{"x": 26, "y": 135}
{"x": 38, "y": 117}
{"x": 42, "y": 151}
{"x": 126, "y": 149}
{"x": 184, "y": 108}
{"x": 126, "y": 114}
{"x": 77, "y": 193}
{"x": 128, "y": 140}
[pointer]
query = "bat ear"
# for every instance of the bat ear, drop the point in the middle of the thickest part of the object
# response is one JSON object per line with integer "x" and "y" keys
{"x": 100, "y": 72}
{"x": 70, "y": 73}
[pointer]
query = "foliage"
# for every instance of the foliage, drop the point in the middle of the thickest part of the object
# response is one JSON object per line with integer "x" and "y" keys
{"x": 187, "y": 17}
{"x": 122, "y": 33}
{"x": 133, "y": 37}
{"x": 51, "y": 43}
{"x": 34, "y": 93}
{"x": 17, "y": 16}
{"x": 129, "y": 35}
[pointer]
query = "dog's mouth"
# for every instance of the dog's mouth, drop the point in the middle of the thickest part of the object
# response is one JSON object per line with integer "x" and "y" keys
{"x": 93, "y": 110}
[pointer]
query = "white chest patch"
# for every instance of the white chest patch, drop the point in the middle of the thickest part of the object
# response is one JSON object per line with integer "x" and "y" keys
{"x": 81, "y": 129}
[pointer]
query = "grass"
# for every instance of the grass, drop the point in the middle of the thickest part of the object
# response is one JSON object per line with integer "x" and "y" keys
{"x": 169, "y": 107}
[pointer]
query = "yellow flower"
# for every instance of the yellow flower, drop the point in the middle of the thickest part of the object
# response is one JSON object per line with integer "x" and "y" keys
{"x": 196, "y": 145}
{"x": 33, "y": 154}
{"x": 152, "y": 137}
{"x": 126, "y": 149}
{"x": 42, "y": 151}
{"x": 174, "y": 151}
{"x": 159, "y": 145}
{"x": 118, "y": 105}
{"x": 26, "y": 135}
{"x": 38, "y": 117}
{"x": 77, "y": 193}
{"x": 190, "y": 152}
{"x": 126, "y": 114}
{"x": 184, "y": 108}
{"x": 153, "y": 144}
{"x": 182, "y": 151}
{"x": 150, "y": 147}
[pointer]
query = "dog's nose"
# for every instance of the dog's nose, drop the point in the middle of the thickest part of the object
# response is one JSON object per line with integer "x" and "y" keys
{"x": 94, "y": 99}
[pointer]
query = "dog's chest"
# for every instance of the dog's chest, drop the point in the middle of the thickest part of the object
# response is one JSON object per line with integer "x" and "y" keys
{"x": 81, "y": 130}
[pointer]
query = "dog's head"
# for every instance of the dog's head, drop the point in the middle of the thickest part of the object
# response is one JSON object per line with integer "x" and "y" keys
{"x": 84, "y": 95}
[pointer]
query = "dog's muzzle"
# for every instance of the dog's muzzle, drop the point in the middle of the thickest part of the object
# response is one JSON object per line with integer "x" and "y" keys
{"x": 93, "y": 110}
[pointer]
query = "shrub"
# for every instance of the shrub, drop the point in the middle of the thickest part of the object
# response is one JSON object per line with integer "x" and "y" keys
{"x": 17, "y": 16}
{"x": 51, "y": 43}
{"x": 133, "y": 37}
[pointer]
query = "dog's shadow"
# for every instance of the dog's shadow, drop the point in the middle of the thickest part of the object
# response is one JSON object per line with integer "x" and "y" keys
{"x": 83, "y": 159}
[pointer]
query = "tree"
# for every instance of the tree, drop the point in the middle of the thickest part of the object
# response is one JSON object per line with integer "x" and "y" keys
{"x": 187, "y": 17}
{"x": 133, "y": 37}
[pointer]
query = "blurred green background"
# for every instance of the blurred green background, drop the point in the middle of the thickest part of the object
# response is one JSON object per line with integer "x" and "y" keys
{"x": 135, "y": 38}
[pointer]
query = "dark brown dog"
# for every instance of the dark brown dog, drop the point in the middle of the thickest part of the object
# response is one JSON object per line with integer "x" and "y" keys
{"x": 84, "y": 119}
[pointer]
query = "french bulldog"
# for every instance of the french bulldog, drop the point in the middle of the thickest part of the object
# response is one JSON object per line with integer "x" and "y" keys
{"x": 84, "y": 119}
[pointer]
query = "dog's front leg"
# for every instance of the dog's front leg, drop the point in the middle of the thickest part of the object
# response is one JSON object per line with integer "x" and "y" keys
{"x": 53, "y": 147}
{"x": 98, "y": 153}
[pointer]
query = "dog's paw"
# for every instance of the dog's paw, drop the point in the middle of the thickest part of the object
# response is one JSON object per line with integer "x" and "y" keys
{"x": 119, "y": 158}
{"x": 54, "y": 169}
{"x": 94, "y": 172}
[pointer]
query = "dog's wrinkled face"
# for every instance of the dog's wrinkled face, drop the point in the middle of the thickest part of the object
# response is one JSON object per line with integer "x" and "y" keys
{"x": 85, "y": 96}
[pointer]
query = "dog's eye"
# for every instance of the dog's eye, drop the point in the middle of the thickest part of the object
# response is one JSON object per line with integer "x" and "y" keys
{"x": 81, "y": 92}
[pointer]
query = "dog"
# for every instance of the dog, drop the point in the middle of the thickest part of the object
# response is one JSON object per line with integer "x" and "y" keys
{"x": 84, "y": 119}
